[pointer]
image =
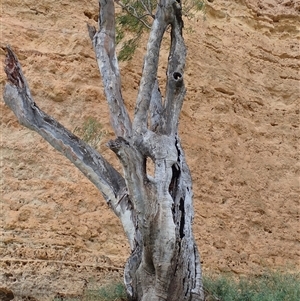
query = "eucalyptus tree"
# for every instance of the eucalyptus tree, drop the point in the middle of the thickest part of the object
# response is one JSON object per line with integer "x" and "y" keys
{"x": 156, "y": 211}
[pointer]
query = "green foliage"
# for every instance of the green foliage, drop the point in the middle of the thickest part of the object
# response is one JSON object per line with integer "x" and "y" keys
{"x": 190, "y": 7}
{"x": 136, "y": 18}
{"x": 269, "y": 287}
{"x": 199, "y": 5}
{"x": 91, "y": 132}
{"x": 128, "y": 49}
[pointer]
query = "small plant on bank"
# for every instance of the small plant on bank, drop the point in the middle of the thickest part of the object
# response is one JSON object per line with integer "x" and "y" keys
{"x": 92, "y": 132}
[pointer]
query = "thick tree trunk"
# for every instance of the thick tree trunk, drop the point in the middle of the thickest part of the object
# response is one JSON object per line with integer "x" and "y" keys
{"x": 156, "y": 212}
{"x": 169, "y": 263}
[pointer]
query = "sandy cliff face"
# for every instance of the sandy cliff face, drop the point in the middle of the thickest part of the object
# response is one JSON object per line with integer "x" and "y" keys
{"x": 239, "y": 126}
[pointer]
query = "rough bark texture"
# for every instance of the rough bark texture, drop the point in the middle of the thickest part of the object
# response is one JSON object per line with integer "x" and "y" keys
{"x": 156, "y": 212}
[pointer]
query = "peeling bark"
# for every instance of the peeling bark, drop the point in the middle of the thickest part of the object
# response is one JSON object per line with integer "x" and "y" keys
{"x": 156, "y": 212}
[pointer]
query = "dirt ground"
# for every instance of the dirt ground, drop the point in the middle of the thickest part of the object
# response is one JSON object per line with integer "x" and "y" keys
{"x": 239, "y": 127}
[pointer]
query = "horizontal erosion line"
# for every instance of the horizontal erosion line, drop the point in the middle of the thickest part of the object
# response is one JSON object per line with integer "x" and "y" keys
{"x": 61, "y": 262}
{"x": 45, "y": 29}
{"x": 73, "y": 55}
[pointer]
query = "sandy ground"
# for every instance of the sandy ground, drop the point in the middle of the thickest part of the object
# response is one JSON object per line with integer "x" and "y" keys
{"x": 239, "y": 127}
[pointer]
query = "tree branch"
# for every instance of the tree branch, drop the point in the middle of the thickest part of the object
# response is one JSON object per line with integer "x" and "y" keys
{"x": 128, "y": 8}
{"x": 104, "y": 45}
{"x": 147, "y": 7}
{"x": 163, "y": 17}
{"x": 135, "y": 173}
{"x": 112, "y": 185}
{"x": 175, "y": 89}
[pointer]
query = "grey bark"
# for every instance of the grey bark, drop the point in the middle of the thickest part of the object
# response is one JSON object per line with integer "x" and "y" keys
{"x": 156, "y": 212}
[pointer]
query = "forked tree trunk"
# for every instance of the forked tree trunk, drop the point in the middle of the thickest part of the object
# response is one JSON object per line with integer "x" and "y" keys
{"x": 156, "y": 212}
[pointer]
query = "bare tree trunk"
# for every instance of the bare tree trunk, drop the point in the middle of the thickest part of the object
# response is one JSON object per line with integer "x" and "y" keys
{"x": 156, "y": 212}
